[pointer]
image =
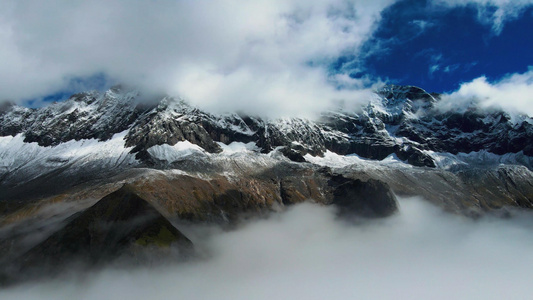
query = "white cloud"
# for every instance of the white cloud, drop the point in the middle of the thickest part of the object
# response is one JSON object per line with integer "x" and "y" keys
{"x": 493, "y": 12}
{"x": 451, "y": 68}
{"x": 513, "y": 93}
{"x": 422, "y": 25}
{"x": 306, "y": 253}
{"x": 433, "y": 69}
{"x": 265, "y": 56}
{"x": 435, "y": 60}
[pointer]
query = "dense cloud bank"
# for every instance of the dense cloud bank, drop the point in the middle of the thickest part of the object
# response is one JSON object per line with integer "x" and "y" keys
{"x": 263, "y": 57}
{"x": 307, "y": 253}
{"x": 512, "y": 93}
{"x": 225, "y": 55}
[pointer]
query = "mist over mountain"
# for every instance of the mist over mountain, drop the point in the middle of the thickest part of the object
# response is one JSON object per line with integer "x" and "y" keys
{"x": 93, "y": 137}
{"x": 108, "y": 188}
{"x": 419, "y": 253}
{"x": 266, "y": 149}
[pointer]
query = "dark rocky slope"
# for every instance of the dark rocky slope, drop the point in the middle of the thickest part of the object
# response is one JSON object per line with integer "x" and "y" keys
{"x": 125, "y": 223}
{"x": 473, "y": 191}
{"x": 119, "y": 226}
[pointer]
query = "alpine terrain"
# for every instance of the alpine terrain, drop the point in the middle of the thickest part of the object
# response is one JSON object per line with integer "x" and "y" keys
{"x": 104, "y": 176}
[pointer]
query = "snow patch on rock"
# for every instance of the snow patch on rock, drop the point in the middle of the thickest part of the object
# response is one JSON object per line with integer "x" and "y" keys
{"x": 32, "y": 160}
{"x": 237, "y": 147}
{"x": 479, "y": 158}
{"x": 334, "y": 160}
{"x": 176, "y": 152}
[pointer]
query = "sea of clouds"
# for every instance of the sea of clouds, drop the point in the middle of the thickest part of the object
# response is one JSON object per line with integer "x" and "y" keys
{"x": 308, "y": 253}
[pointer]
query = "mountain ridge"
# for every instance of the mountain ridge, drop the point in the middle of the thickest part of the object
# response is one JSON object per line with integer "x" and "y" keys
{"x": 400, "y": 137}
{"x": 187, "y": 166}
{"x": 400, "y": 120}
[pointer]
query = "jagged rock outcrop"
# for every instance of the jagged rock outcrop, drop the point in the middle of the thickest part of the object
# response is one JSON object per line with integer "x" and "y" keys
{"x": 84, "y": 116}
{"x": 355, "y": 197}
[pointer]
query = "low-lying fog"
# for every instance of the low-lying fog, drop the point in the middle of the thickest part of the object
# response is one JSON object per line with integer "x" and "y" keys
{"x": 306, "y": 253}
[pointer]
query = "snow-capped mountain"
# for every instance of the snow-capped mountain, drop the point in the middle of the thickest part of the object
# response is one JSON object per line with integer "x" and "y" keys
{"x": 81, "y": 161}
{"x": 399, "y": 120}
{"x": 94, "y": 136}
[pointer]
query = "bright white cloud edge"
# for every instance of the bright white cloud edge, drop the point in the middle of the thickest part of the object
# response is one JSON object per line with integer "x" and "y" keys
{"x": 261, "y": 57}
{"x": 513, "y": 93}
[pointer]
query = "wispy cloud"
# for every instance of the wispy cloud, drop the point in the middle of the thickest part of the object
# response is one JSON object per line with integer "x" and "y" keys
{"x": 492, "y": 12}
{"x": 422, "y": 25}
{"x": 258, "y": 56}
{"x": 451, "y": 68}
{"x": 433, "y": 69}
{"x": 435, "y": 60}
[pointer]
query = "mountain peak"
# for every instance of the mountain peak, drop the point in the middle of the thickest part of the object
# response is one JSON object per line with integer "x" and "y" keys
{"x": 394, "y": 93}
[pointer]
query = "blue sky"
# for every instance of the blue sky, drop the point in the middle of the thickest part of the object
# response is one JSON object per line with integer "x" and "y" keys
{"x": 440, "y": 48}
{"x": 274, "y": 57}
